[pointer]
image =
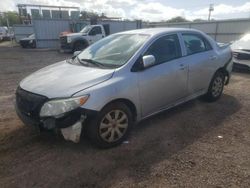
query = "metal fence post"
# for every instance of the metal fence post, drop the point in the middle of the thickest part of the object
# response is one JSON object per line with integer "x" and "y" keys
{"x": 216, "y": 31}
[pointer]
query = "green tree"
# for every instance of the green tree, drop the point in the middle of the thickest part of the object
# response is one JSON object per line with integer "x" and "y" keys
{"x": 199, "y": 20}
{"x": 177, "y": 19}
{"x": 12, "y": 16}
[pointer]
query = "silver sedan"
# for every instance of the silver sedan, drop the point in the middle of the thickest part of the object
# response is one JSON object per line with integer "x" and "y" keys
{"x": 122, "y": 79}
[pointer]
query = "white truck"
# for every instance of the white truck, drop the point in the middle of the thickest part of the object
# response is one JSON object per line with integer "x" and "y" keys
{"x": 90, "y": 34}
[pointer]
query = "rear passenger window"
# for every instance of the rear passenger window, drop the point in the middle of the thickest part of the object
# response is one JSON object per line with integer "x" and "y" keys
{"x": 165, "y": 49}
{"x": 195, "y": 43}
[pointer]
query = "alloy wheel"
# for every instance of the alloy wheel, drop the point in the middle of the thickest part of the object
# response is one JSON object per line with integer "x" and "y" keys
{"x": 217, "y": 86}
{"x": 113, "y": 126}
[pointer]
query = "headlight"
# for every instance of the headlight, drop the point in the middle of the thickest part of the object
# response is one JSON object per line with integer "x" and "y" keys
{"x": 58, "y": 107}
{"x": 69, "y": 39}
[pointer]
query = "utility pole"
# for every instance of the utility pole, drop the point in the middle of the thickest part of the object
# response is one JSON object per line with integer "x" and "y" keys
{"x": 7, "y": 20}
{"x": 1, "y": 16}
{"x": 211, "y": 8}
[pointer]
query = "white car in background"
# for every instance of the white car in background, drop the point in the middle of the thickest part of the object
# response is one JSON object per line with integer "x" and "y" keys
{"x": 3, "y": 33}
{"x": 6, "y": 33}
{"x": 241, "y": 53}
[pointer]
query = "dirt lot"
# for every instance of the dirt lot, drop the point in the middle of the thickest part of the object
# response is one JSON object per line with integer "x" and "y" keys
{"x": 197, "y": 144}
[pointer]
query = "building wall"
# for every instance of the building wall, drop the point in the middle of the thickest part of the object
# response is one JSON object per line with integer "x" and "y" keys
{"x": 22, "y": 31}
{"x": 48, "y": 31}
{"x": 119, "y": 26}
{"x": 221, "y": 31}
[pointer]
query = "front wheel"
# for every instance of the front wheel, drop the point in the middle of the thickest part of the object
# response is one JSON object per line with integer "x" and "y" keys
{"x": 216, "y": 87}
{"x": 79, "y": 46}
{"x": 111, "y": 126}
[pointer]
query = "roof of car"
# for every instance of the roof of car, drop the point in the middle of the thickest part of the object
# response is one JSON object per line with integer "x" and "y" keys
{"x": 155, "y": 31}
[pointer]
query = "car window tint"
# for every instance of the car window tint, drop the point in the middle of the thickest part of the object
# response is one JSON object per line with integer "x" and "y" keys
{"x": 195, "y": 43}
{"x": 96, "y": 30}
{"x": 165, "y": 49}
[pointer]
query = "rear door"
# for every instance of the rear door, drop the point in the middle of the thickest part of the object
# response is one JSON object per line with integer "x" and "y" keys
{"x": 166, "y": 81}
{"x": 201, "y": 60}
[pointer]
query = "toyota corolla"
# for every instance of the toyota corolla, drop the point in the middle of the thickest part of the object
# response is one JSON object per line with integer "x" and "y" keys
{"x": 124, "y": 78}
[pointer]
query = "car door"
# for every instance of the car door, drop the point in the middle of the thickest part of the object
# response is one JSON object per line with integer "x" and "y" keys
{"x": 166, "y": 81}
{"x": 95, "y": 34}
{"x": 200, "y": 58}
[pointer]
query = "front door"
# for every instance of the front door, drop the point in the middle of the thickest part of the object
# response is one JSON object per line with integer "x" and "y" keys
{"x": 95, "y": 34}
{"x": 166, "y": 81}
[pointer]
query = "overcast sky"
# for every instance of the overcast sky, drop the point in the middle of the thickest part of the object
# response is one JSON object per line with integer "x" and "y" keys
{"x": 150, "y": 10}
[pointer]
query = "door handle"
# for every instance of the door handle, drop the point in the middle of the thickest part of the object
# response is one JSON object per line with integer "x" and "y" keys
{"x": 213, "y": 57}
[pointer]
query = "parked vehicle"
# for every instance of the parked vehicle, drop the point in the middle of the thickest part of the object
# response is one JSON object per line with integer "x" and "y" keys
{"x": 92, "y": 33}
{"x": 87, "y": 36}
{"x": 6, "y": 33}
{"x": 122, "y": 79}
{"x": 241, "y": 53}
{"x": 3, "y": 33}
{"x": 28, "y": 42}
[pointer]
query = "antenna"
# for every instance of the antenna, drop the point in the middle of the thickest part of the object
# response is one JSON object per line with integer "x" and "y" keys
{"x": 211, "y": 8}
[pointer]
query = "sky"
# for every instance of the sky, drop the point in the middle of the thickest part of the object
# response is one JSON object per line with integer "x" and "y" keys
{"x": 149, "y": 10}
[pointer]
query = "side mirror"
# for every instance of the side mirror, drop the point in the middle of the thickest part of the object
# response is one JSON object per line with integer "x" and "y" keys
{"x": 148, "y": 61}
{"x": 76, "y": 53}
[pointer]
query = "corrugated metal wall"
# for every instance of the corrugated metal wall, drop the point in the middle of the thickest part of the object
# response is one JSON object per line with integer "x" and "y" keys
{"x": 47, "y": 32}
{"x": 221, "y": 31}
{"x": 22, "y": 31}
{"x": 118, "y": 26}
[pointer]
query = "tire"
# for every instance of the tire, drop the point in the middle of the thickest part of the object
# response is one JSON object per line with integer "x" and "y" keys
{"x": 79, "y": 46}
{"x": 216, "y": 87}
{"x": 23, "y": 45}
{"x": 104, "y": 131}
{"x": 33, "y": 44}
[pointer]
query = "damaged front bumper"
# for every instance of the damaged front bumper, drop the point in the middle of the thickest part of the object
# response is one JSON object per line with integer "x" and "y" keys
{"x": 70, "y": 124}
{"x": 28, "y": 106}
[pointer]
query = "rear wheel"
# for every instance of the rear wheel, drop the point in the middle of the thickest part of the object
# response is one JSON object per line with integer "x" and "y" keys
{"x": 33, "y": 44}
{"x": 111, "y": 126}
{"x": 23, "y": 45}
{"x": 216, "y": 87}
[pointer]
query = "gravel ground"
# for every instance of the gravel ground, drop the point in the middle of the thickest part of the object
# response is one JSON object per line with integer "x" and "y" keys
{"x": 197, "y": 144}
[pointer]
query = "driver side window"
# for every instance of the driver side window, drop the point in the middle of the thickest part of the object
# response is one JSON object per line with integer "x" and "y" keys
{"x": 95, "y": 31}
{"x": 165, "y": 49}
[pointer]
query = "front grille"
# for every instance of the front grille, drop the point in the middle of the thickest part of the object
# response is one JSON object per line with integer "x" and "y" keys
{"x": 29, "y": 103}
{"x": 235, "y": 54}
{"x": 63, "y": 40}
{"x": 241, "y": 56}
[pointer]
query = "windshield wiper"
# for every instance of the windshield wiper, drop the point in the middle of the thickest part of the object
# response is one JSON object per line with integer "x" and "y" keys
{"x": 81, "y": 62}
{"x": 91, "y": 61}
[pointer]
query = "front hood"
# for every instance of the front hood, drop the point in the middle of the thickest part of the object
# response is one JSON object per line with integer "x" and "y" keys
{"x": 76, "y": 34}
{"x": 64, "y": 79}
{"x": 25, "y": 39}
{"x": 243, "y": 44}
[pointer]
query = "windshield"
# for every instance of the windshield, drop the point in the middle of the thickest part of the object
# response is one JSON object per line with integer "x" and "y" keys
{"x": 243, "y": 43}
{"x": 86, "y": 29}
{"x": 246, "y": 38}
{"x": 32, "y": 36}
{"x": 115, "y": 50}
